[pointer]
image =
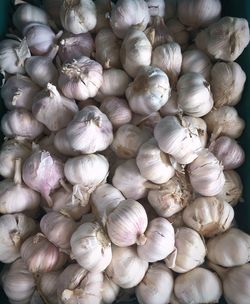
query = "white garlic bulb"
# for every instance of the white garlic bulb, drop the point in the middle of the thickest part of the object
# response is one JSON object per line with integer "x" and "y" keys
{"x": 178, "y": 31}
{"x": 62, "y": 144}
{"x": 206, "y": 174}
{"x": 127, "y": 223}
{"x": 107, "y": 49}
{"x": 200, "y": 285}
{"x": 189, "y": 253}
{"x": 172, "y": 197}
{"x": 14, "y": 229}
{"x": 198, "y": 62}
{"x": 175, "y": 137}
{"x": 20, "y": 122}
{"x": 126, "y": 268}
{"x": 81, "y": 78}
{"x": 225, "y": 39}
{"x": 53, "y": 109}
{"x": 156, "y": 286}
{"x": 171, "y": 107}
{"x": 208, "y": 215}
{"x": 224, "y": 121}
{"x": 91, "y": 247}
{"x": 227, "y": 83}
{"x": 135, "y": 51}
{"x": 160, "y": 240}
{"x": 78, "y": 16}
{"x": 194, "y": 94}
{"x": 153, "y": 164}
{"x": 168, "y": 58}
{"x": 149, "y": 91}
{"x": 117, "y": 111}
{"x": 110, "y": 290}
{"x": 88, "y": 124}
{"x": 128, "y": 139}
{"x": 200, "y": 13}
{"x": 128, "y": 13}
{"x": 230, "y": 248}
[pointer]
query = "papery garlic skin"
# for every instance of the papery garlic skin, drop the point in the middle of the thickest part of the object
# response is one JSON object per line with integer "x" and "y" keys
{"x": 128, "y": 13}
{"x": 208, "y": 215}
{"x": 20, "y": 122}
{"x": 200, "y": 13}
{"x": 127, "y": 141}
{"x": 135, "y": 52}
{"x": 194, "y": 95}
{"x": 156, "y": 286}
{"x": 160, "y": 240}
{"x": 149, "y": 91}
{"x": 200, "y": 285}
{"x": 126, "y": 268}
{"x": 198, "y": 125}
{"x": 153, "y": 164}
{"x": 225, "y": 39}
{"x": 189, "y": 253}
{"x": 14, "y": 229}
{"x": 229, "y": 249}
{"x": 78, "y": 16}
{"x": 227, "y": 83}
{"x": 178, "y": 31}
{"x": 110, "y": 290}
{"x": 127, "y": 223}
{"x": 81, "y": 78}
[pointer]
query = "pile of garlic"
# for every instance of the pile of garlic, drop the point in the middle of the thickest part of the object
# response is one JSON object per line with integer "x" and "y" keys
{"x": 120, "y": 152}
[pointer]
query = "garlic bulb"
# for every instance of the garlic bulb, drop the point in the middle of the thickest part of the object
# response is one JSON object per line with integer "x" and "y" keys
{"x": 21, "y": 123}
{"x": 130, "y": 182}
{"x": 47, "y": 284}
{"x": 200, "y": 285}
{"x": 175, "y": 137}
{"x": 197, "y": 61}
{"x": 53, "y": 109}
{"x": 149, "y": 91}
{"x": 194, "y": 94}
{"x": 224, "y": 121}
{"x": 13, "y": 54}
{"x": 206, "y": 174}
{"x": 196, "y": 14}
{"x": 58, "y": 228}
{"x": 103, "y": 11}
{"x": 81, "y": 78}
{"x": 78, "y": 16}
{"x": 153, "y": 164}
{"x": 14, "y": 229}
{"x": 171, "y": 107}
{"x": 42, "y": 172}
{"x": 110, "y": 290}
{"x": 18, "y": 282}
{"x": 178, "y": 31}
{"x": 225, "y": 39}
{"x": 127, "y": 223}
{"x": 104, "y": 199}
{"x": 228, "y": 152}
{"x": 75, "y": 46}
{"x": 11, "y": 150}
{"x": 208, "y": 215}
{"x": 88, "y": 124}
{"x": 91, "y": 247}
{"x": 168, "y": 58}
{"x": 107, "y": 49}
{"x": 156, "y": 7}
{"x": 232, "y": 189}
{"x": 135, "y": 50}
{"x": 18, "y": 92}
{"x": 126, "y": 268}
{"x": 198, "y": 125}
{"x": 189, "y": 253}
{"x": 128, "y": 139}
{"x": 128, "y": 13}
{"x": 62, "y": 144}
{"x": 40, "y": 255}
{"x": 172, "y": 197}
{"x": 160, "y": 241}
{"x": 117, "y": 111}
{"x": 230, "y": 248}
{"x": 41, "y": 70}
{"x": 156, "y": 286}
{"x": 227, "y": 83}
